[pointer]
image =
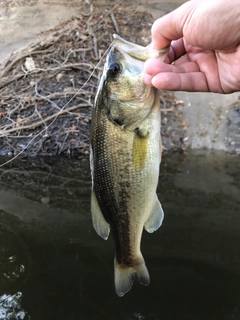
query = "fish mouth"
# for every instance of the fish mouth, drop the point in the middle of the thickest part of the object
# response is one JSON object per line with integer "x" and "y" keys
{"x": 118, "y": 56}
{"x": 139, "y": 52}
{"x": 132, "y": 56}
{"x": 131, "y": 49}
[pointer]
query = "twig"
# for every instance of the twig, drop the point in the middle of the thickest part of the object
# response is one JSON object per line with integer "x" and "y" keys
{"x": 37, "y": 112}
{"x": 114, "y": 21}
{"x": 45, "y": 98}
{"x": 39, "y": 123}
{"x": 20, "y": 57}
{"x": 74, "y": 51}
{"x": 5, "y": 83}
{"x": 165, "y": 109}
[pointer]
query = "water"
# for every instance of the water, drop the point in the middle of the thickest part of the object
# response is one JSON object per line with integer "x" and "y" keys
{"x": 54, "y": 266}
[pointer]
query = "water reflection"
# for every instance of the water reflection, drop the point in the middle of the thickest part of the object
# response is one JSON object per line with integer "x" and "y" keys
{"x": 67, "y": 270}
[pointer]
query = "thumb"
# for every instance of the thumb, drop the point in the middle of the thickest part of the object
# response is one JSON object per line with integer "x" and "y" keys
{"x": 170, "y": 27}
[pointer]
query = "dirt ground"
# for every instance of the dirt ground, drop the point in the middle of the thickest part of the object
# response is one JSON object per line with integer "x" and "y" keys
{"x": 57, "y": 44}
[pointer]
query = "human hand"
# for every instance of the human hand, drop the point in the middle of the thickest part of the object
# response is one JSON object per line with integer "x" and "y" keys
{"x": 204, "y": 55}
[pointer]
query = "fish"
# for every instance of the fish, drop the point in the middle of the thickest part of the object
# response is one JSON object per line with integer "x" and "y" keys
{"x": 125, "y": 155}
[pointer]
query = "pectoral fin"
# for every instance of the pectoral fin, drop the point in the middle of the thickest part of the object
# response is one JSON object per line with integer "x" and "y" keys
{"x": 156, "y": 217}
{"x": 99, "y": 223}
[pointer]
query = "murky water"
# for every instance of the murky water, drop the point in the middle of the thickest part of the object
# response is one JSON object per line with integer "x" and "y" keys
{"x": 54, "y": 266}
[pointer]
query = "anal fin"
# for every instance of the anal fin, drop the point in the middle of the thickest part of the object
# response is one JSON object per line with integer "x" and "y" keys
{"x": 99, "y": 223}
{"x": 156, "y": 217}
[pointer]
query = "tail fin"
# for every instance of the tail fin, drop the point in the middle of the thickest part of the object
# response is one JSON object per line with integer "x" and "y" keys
{"x": 125, "y": 276}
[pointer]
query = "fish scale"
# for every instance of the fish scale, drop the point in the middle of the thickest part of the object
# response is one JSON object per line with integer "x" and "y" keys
{"x": 125, "y": 157}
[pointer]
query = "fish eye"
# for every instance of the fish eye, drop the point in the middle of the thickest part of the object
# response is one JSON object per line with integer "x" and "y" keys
{"x": 115, "y": 68}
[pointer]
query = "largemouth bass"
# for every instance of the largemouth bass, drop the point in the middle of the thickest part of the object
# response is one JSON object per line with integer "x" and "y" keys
{"x": 125, "y": 157}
